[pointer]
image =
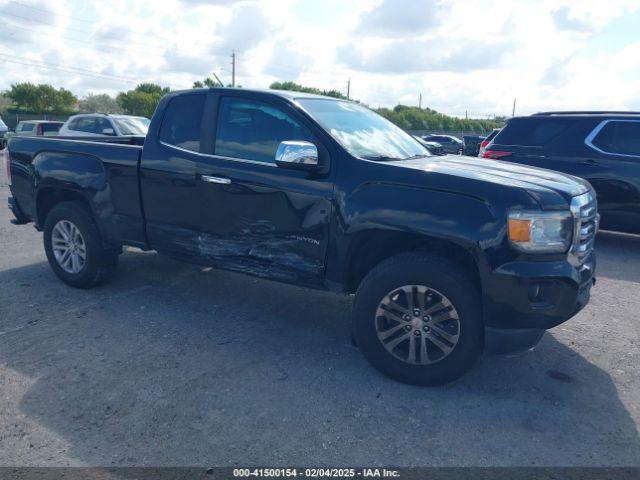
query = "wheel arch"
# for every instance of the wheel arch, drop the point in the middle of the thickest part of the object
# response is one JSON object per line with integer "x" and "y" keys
{"x": 370, "y": 247}
{"x": 48, "y": 197}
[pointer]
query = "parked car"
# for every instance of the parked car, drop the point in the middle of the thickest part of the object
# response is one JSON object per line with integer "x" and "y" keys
{"x": 36, "y": 128}
{"x": 472, "y": 144}
{"x": 601, "y": 147}
{"x": 102, "y": 124}
{"x": 486, "y": 141}
{"x": 3, "y": 132}
{"x": 446, "y": 256}
{"x": 434, "y": 147}
{"x": 450, "y": 144}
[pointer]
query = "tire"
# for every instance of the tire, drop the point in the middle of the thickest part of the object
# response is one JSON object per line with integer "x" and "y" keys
{"x": 437, "y": 286}
{"x": 98, "y": 264}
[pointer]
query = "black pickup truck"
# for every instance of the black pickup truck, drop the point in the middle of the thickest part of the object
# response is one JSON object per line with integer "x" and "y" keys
{"x": 446, "y": 256}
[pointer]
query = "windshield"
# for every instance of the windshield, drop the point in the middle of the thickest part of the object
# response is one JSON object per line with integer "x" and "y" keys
{"x": 363, "y": 133}
{"x": 2, "y": 125}
{"x": 132, "y": 125}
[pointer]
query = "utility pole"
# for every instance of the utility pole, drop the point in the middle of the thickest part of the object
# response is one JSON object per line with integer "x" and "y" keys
{"x": 233, "y": 68}
{"x": 466, "y": 114}
{"x": 420, "y": 102}
{"x": 513, "y": 112}
{"x": 348, "y": 88}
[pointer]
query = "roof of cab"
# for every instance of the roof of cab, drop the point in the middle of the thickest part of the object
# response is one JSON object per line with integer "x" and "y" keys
{"x": 289, "y": 94}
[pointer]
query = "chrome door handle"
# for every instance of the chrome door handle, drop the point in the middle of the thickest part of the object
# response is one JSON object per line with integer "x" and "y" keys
{"x": 210, "y": 179}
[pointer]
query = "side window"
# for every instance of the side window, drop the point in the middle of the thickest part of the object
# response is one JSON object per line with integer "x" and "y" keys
{"x": 101, "y": 124}
{"x": 73, "y": 124}
{"x": 181, "y": 122}
{"x": 532, "y": 131}
{"x": 253, "y": 130}
{"x": 27, "y": 127}
{"x": 85, "y": 124}
{"x": 619, "y": 137}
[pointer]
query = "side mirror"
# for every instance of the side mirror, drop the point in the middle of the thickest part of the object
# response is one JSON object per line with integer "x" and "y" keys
{"x": 108, "y": 131}
{"x": 297, "y": 155}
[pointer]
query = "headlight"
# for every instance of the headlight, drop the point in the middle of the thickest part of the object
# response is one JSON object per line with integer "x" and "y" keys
{"x": 540, "y": 232}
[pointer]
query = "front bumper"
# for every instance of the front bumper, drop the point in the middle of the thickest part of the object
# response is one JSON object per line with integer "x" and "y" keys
{"x": 537, "y": 295}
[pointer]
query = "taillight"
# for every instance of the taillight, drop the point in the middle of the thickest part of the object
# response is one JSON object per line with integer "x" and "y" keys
{"x": 496, "y": 154}
{"x": 484, "y": 143}
{"x": 7, "y": 164}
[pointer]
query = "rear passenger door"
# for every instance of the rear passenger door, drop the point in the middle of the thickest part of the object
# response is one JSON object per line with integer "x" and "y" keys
{"x": 255, "y": 216}
{"x": 168, "y": 177}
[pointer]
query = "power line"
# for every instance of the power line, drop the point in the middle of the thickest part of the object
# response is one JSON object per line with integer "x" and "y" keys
{"x": 85, "y": 32}
{"x": 84, "y": 42}
{"x": 61, "y": 68}
{"x": 83, "y": 20}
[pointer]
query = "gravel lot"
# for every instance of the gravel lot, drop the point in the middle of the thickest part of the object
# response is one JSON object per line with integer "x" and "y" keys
{"x": 172, "y": 364}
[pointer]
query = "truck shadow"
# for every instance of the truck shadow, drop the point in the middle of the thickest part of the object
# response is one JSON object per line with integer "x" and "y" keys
{"x": 213, "y": 368}
{"x": 621, "y": 256}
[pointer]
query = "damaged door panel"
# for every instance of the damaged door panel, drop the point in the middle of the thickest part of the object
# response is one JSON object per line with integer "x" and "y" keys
{"x": 254, "y": 215}
{"x": 276, "y": 219}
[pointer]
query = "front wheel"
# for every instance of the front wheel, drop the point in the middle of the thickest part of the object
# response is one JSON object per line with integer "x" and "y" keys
{"x": 417, "y": 319}
{"x": 73, "y": 247}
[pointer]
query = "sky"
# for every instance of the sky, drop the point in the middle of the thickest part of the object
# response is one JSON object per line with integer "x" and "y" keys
{"x": 466, "y": 57}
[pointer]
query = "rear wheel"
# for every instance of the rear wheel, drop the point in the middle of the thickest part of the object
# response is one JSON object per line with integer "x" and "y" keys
{"x": 73, "y": 247}
{"x": 417, "y": 319}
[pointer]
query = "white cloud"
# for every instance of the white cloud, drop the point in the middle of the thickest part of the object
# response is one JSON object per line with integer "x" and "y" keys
{"x": 401, "y": 18}
{"x": 432, "y": 55}
{"x": 564, "y": 21}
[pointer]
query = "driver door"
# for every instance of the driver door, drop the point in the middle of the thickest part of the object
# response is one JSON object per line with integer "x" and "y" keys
{"x": 255, "y": 216}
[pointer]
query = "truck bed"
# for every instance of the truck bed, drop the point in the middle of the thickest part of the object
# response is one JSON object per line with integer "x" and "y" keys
{"x": 101, "y": 169}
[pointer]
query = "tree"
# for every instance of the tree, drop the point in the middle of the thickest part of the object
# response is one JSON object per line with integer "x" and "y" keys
{"x": 296, "y": 87}
{"x": 5, "y": 103}
{"x": 42, "y": 98}
{"x": 142, "y": 100}
{"x": 207, "y": 82}
{"x": 101, "y": 103}
{"x": 415, "y": 119}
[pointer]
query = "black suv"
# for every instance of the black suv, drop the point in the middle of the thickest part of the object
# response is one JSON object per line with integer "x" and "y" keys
{"x": 601, "y": 147}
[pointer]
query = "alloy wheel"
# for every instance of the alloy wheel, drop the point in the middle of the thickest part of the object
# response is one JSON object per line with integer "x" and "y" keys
{"x": 417, "y": 324}
{"x": 69, "y": 247}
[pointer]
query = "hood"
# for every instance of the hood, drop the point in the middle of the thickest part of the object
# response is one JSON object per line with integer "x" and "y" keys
{"x": 538, "y": 182}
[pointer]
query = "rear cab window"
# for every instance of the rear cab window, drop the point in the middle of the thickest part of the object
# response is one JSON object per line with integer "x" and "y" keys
{"x": 181, "y": 123}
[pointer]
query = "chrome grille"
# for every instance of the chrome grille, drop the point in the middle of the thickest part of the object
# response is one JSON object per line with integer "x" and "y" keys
{"x": 585, "y": 213}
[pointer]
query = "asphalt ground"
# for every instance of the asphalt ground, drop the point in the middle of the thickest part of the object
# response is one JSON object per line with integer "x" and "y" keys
{"x": 172, "y": 364}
